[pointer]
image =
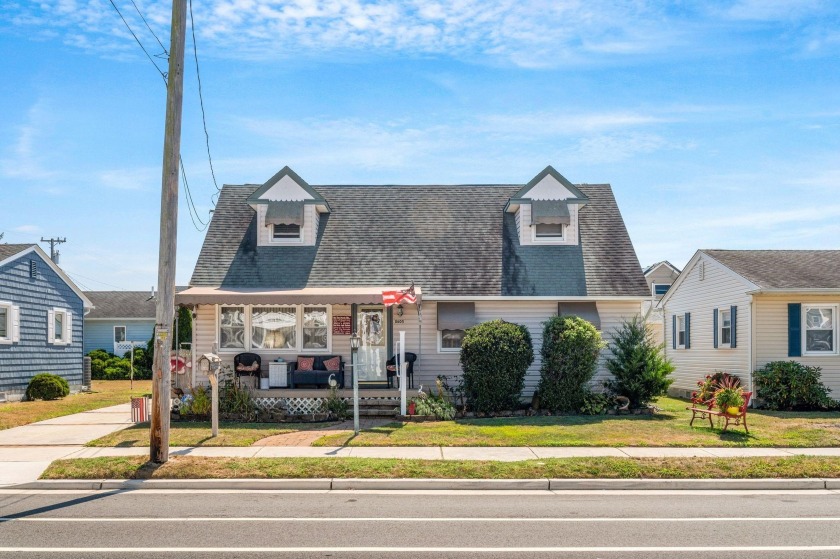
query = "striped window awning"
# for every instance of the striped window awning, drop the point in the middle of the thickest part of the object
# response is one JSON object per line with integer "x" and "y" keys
{"x": 551, "y": 212}
{"x": 284, "y": 213}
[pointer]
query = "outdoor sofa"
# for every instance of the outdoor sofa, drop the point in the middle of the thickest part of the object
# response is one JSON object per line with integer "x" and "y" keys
{"x": 318, "y": 374}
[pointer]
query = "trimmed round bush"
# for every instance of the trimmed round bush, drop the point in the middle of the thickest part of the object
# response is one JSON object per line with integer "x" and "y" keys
{"x": 790, "y": 385}
{"x": 46, "y": 386}
{"x": 495, "y": 356}
{"x": 570, "y": 350}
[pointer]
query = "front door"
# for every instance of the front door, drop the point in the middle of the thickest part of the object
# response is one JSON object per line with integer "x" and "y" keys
{"x": 372, "y": 326}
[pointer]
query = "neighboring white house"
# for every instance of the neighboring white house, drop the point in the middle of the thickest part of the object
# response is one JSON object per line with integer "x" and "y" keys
{"x": 289, "y": 270}
{"x": 737, "y": 310}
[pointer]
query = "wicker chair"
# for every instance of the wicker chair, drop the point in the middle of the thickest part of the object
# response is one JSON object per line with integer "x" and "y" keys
{"x": 244, "y": 366}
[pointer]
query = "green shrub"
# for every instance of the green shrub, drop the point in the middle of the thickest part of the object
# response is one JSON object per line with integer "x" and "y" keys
{"x": 789, "y": 385}
{"x": 495, "y": 356}
{"x": 46, "y": 386}
{"x": 570, "y": 350}
{"x": 197, "y": 402}
{"x": 335, "y": 404}
{"x": 594, "y": 403}
{"x": 107, "y": 366}
{"x": 640, "y": 370}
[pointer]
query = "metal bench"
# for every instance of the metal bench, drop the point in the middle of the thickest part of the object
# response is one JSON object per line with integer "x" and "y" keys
{"x": 707, "y": 410}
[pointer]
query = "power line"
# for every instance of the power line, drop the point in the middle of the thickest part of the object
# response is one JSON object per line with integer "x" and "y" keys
{"x": 76, "y": 280}
{"x": 190, "y": 203}
{"x": 201, "y": 99}
{"x": 162, "y": 74}
{"x": 163, "y": 48}
{"x": 74, "y": 275}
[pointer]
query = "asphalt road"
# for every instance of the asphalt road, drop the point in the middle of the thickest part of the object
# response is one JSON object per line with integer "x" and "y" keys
{"x": 355, "y": 524}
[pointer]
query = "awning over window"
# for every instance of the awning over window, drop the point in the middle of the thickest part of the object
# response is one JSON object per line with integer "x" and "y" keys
{"x": 550, "y": 212}
{"x": 584, "y": 309}
{"x": 305, "y": 296}
{"x": 455, "y": 316}
{"x": 284, "y": 213}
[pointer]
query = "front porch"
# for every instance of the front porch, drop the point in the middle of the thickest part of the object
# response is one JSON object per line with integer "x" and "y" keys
{"x": 373, "y": 402}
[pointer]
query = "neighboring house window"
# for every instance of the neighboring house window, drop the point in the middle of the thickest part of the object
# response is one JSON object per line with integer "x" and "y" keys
{"x": 681, "y": 331}
{"x": 819, "y": 329}
{"x": 232, "y": 328}
{"x": 549, "y": 231}
{"x": 283, "y": 232}
{"x": 315, "y": 328}
{"x": 725, "y": 321}
{"x": 119, "y": 334}
{"x": 273, "y": 327}
{"x": 5, "y": 322}
{"x": 450, "y": 340}
{"x": 660, "y": 289}
{"x": 59, "y": 327}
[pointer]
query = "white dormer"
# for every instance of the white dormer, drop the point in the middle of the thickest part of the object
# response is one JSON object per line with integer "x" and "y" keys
{"x": 546, "y": 210}
{"x": 288, "y": 211}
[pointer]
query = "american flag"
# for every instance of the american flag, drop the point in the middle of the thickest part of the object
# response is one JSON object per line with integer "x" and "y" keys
{"x": 397, "y": 297}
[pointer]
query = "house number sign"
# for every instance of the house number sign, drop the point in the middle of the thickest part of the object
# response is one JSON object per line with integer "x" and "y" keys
{"x": 341, "y": 326}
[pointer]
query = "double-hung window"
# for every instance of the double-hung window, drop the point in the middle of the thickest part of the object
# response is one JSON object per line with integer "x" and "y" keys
{"x": 681, "y": 331}
{"x": 315, "y": 331}
{"x": 660, "y": 289}
{"x": 60, "y": 327}
{"x": 451, "y": 340}
{"x": 819, "y": 331}
{"x": 725, "y": 324}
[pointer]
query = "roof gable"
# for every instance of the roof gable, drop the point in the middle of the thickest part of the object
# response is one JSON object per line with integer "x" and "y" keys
{"x": 13, "y": 252}
{"x": 286, "y": 186}
{"x": 653, "y": 267}
{"x": 549, "y": 185}
{"x": 784, "y": 269}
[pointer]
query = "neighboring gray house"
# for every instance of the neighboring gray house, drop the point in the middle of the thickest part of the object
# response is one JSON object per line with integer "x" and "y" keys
{"x": 41, "y": 324}
{"x": 119, "y": 318}
{"x": 736, "y": 310}
{"x": 288, "y": 269}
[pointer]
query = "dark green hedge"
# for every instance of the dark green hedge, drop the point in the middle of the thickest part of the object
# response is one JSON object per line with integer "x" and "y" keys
{"x": 47, "y": 386}
{"x": 570, "y": 350}
{"x": 790, "y": 385}
{"x": 495, "y": 356}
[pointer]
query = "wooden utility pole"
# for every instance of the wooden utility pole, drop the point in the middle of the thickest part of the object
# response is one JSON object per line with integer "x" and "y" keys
{"x": 161, "y": 385}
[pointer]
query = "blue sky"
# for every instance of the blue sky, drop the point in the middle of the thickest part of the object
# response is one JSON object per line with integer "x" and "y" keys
{"x": 716, "y": 122}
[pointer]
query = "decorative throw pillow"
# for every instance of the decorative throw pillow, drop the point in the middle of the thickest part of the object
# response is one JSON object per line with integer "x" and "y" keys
{"x": 305, "y": 363}
{"x": 333, "y": 364}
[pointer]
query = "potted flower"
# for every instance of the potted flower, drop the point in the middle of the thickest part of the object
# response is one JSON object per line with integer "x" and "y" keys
{"x": 729, "y": 398}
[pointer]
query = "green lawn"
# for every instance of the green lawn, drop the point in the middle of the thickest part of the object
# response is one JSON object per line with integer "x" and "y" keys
{"x": 103, "y": 393}
{"x": 190, "y": 467}
{"x": 190, "y": 433}
{"x": 667, "y": 428}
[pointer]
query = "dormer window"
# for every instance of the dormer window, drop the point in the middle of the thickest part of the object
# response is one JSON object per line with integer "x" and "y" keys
{"x": 286, "y": 232}
{"x": 549, "y": 231}
{"x": 285, "y": 220}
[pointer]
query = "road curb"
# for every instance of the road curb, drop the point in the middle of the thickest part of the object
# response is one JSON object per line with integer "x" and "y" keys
{"x": 338, "y": 484}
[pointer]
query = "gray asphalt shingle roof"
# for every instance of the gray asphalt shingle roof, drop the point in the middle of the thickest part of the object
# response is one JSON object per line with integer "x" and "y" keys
{"x": 784, "y": 269}
{"x": 449, "y": 240}
{"x": 121, "y": 304}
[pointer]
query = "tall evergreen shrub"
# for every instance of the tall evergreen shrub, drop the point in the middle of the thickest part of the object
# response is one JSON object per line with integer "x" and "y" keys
{"x": 640, "y": 370}
{"x": 495, "y": 356}
{"x": 570, "y": 350}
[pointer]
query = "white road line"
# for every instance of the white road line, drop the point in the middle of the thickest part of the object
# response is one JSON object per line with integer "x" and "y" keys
{"x": 648, "y": 549}
{"x": 416, "y": 520}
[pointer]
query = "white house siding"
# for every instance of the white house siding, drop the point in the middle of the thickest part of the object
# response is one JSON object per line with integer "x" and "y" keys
{"x": 720, "y": 289}
{"x": 771, "y": 329}
{"x": 532, "y": 314}
{"x": 662, "y": 275}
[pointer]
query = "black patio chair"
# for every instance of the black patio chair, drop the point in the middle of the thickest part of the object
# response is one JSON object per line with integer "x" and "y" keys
{"x": 391, "y": 368}
{"x": 243, "y": 366}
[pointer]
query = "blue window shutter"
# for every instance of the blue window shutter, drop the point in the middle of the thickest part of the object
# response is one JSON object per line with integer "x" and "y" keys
{"x": 733, "y": 315}
{"x": 688, "y": 330}
{"x": 674, "y": 332}
{"x": 715, "y": 327}
{"x": 794, "y": 330}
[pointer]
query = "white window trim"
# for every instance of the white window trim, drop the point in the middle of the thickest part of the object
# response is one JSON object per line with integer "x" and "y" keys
{"x": 297, "y": 350}
{"x": 680, "y": 319}
{"x": 286, "y": 240}
{"x": 562, "y": 239}
{"x": 442, "y": 349}
{"x": 722, "y": 345}
{"x": 805, "y": 307}
{"x": 125, "y": 339}
{"x": 66, "y": 325}
{"x": 9, "y": 338}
